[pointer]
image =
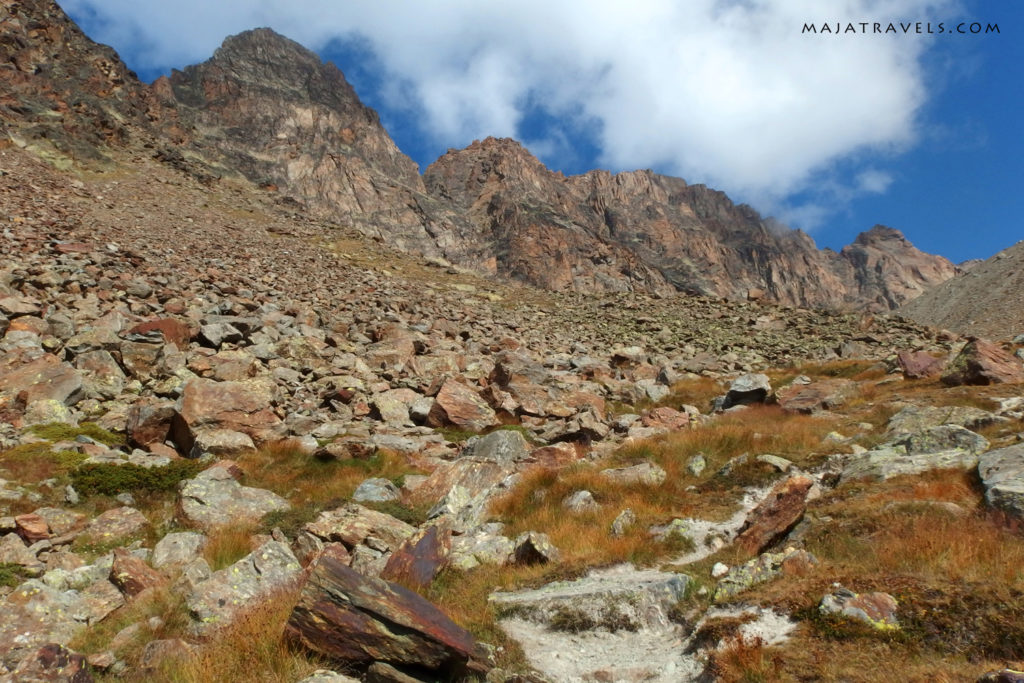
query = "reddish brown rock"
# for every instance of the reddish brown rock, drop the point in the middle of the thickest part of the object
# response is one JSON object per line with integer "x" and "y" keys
{"x": 458, "y": 405}
{"x": 555, "y": 456}
{"x": 32, "y": 528}
{"x": 982, "y": 362}
{"x": 918, "y": 364}
{"x": 52, "y": 663}
{"x": 239, "y": 406}
{"x": 420, "y": 558}
{"x": 776, "y": 515}
{"x": 348, "y": 618}
{"x": 816, "y": 396}
{"x": 152, "y": 421}
{"x": 173, "y": 331}
{"x": 132, "y": 575}
{"x": 667, "y": 418}
{"x": 45, "y": 378}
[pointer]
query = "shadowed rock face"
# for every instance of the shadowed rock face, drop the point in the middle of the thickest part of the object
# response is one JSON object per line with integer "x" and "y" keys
{"x": 267, "y": 109}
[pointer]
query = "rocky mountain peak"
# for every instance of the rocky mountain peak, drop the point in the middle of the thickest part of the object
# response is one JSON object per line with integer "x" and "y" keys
{"x": 879, "y": 234}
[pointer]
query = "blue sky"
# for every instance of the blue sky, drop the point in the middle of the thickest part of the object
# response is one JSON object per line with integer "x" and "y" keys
{"x": 831, "y": 133}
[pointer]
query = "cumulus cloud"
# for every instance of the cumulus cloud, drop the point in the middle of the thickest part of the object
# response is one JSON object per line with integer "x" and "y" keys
{"x": 726, "y": 92}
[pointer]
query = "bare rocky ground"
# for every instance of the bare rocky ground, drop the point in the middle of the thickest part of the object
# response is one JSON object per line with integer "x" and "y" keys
{"x": 180, "y": 362}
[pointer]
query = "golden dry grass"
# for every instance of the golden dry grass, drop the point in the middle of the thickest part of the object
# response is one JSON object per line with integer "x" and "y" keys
{"x": 284, "y": 469}
{"x": 227, "y": 544}
{"x": 250, "y": 649}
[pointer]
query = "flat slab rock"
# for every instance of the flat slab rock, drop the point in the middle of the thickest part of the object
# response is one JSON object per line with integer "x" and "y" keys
{"x": 214, "y": 498}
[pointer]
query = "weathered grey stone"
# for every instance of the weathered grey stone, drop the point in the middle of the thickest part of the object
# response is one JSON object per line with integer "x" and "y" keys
{"x": 580, "y": 501}
{"x": 376, "y": 490}
{"x": 646, "y": 474}
{"x": 213, "y": 498}
{"x": 747, "y": 389}
{"x": 761, "y": 569}
{"x": 875, "y": 609}
{"x": 942, "y": 447}
{"x": 502, "y": 445}
{"x": 177, "y": 549}
{"x": 1002, "y": 475}
{"x": 532, "y": 547}
{"x": 228, "y": 592}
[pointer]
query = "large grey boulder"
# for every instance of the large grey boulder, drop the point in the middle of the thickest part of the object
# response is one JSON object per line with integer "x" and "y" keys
{"x": 213, "y": 498}
{"x": 229, "y": 592}
{"x": 1002, "y": 475}
{"x": 502, "y": 446}
{"x": 748, "y": 389}
{"x": 942, "y": 447}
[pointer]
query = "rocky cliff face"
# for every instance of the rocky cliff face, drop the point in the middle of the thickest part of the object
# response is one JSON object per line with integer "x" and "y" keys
{"x": 659, "y": 229}
{"x": 267, "y": 109}
{"x": 69, "y": 97}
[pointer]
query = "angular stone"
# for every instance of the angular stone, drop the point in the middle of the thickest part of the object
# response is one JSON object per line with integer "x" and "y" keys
{"x": 32, "y": 528}
{"x": 13, "y": 550}
{"x": 178, "y": 549}
{"x": 376, "y": 490}
{"x": 501, "y": 446}
{"x": 982, "y": 362}
{"x": 102, "y": 376}
{"x": 761, "y": 569}
{"x": 380, "y": 621}
{"x": 773, "y": 518}
{"x": 216, "y": 334}
{"x": 919, "y": 364}
{"x": 1002, "y": 476}
{"x": 132, "y": 575}
{"x": 623, "y": 522}
{"x": 580, "y": 501}
{"x": 213, "y": 498}
{"x": 222, "y": 442}
{"x": 458, "y": 405}
{"x": 52, "y": 663}
{"x": 532, "y": 547}
{"x": 748, "y": 389}
{"x": 353, "y": 524}
{"x": 116, "y": 525}
{"x": 45, "y": 378}
{"x": 172, "y": 331}
{"x": 554, "y": 456}
{"x": 666, "y": 418}
{"x": 239, "y": 406}
{"x": 229, "y": 592}
{"x": 393, "y": 406}
{"x": 482, "y": 546}
{"x": 816, "y": 396}
{"x": 875, "y": 609}
{"x": 916, "y": 418}
{"x": 420, "y": 558}
{"x": 645, "y": 474}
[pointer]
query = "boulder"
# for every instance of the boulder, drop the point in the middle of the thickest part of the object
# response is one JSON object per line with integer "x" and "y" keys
{"x": 214, "y": 498}
{"x": 458, "y": 405}
{"x": 46, "y": 378}
{"x": 229, "y": 592}
{"x": 177, "y": 549}
{"x": 1002, "y": 476}
{"x": 761, "y": 569}
{"x": 942, "y": 447}
{"x": 117, "y": 524}
{"x": 132, "y": 575}
{"x": 982, "y": 362}
{"x": 239, "y": 406}
{"x": 532, "y": 547}
{"x": 461, "y": 490}
{"x": 52, "y": 663}
{"x": 353, "y": 524}
{"x": 748, "y": 389}
{"x": 501, "y": 446}
{"x": 915, "y": 418}
{"x": 376, "y": 490}
{"x": 645, "y": 474}
{"x": 919, "y": 364}
{"x": 347, "y": 618}
{"x": 816, "y": 396}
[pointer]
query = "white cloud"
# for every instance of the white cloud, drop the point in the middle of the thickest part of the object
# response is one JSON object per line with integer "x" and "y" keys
{"x": 726, "y": 92}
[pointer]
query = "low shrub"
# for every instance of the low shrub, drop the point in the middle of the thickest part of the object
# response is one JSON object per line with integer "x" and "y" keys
{"x": 110, "y": 480}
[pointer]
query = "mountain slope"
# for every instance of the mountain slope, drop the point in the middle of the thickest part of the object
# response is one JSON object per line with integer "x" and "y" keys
{"x": 987, "y": 300}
